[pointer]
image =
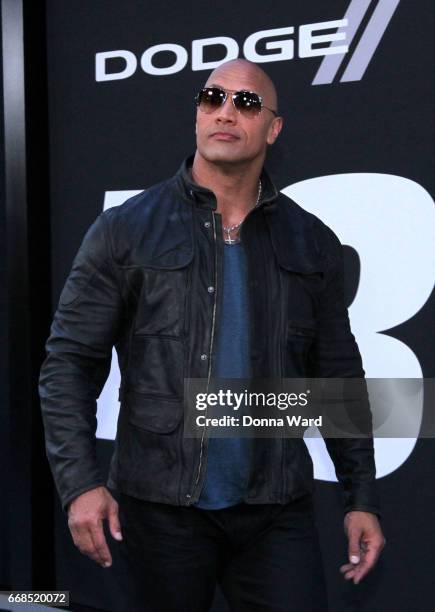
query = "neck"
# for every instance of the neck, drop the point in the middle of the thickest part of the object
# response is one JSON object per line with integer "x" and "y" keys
{"x": 235, "y": 186}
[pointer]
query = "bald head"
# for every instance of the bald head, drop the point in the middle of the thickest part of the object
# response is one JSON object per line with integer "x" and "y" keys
{"x": 247, "y": 75}
{"x": 226, "y": 136}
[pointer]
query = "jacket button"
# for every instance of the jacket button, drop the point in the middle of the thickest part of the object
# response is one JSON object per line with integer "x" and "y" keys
{"x": 203, "y": 357}
{"x": 207, "y": 224}
{"x": 210, "y": 289}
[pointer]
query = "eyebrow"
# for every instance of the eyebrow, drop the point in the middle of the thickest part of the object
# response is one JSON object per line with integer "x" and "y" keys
{"x": 222, "y": 87}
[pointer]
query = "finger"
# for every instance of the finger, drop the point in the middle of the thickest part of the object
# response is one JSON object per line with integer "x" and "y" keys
{"x": 354, "y": 551}
{"x": 83, "y": 541}
{"x": 366, "y": 565}
{"x": 346, "y": 568}
{"x": 114, "y": 524}
{"x": 82, "y": 538}
{"x": 348, "y": 571}
{"x": 102, "y": 551}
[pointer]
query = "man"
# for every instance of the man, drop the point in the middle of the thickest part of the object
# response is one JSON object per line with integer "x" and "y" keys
{"x": 211, "y": 273}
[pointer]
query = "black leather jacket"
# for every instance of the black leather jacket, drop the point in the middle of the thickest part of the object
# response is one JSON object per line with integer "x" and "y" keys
{"x": 148, "y": 279}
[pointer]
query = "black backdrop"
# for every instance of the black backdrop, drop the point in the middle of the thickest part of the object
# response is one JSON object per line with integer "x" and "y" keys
{"x": 126, "y": 134}
{"x": 4, "y": 416}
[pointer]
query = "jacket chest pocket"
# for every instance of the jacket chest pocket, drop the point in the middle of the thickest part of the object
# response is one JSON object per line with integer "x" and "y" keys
{"x": 161, "y": 308}
{"x": 157, "y": 344}
{"x": 301, "y": 287}
{"x": 299, "y": 339}
{"x": 161, "y": 296}
{"x": 300, "y": 294}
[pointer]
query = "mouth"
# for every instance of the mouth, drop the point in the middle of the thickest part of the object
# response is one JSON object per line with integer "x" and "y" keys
{"x": 225, "y": 136}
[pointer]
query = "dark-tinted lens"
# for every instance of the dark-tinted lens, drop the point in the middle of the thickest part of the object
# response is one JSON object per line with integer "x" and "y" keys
{"x": 247, "y": 102}
{"x": 210, "y": 98}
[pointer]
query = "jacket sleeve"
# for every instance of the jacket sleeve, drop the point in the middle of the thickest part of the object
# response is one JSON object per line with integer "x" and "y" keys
{"x": 336, "y": 355}
{"x": 79, "y": 349}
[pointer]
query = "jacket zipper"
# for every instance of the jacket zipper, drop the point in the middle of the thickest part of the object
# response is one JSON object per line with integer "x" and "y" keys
{"x": 211, "y": 348}
{"x": 210, "y": 351}
{"x": 282, "y": 348}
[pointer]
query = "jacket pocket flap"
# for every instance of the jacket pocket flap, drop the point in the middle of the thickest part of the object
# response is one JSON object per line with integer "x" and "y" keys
{"x": 170, "y": 259}
{"x": 301, "y": 263}
{"x": 155, "y": 414}
{"x": 302, "y": 327}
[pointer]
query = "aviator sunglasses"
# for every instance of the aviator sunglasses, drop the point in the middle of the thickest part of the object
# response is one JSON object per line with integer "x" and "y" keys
{"x": 248, "y": 103}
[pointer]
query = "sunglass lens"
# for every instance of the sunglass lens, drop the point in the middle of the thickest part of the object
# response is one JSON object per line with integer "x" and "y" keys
{"x": 210, "y": 98}
{"x": 247, "y": 102}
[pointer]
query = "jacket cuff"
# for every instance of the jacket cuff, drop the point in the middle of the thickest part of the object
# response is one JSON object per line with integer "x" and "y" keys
{"x": 65, "y": 500}
{"x": 363, "y": 497}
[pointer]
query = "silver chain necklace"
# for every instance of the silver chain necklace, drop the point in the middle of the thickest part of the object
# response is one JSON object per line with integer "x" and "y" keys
{"x": 231, "y": 228}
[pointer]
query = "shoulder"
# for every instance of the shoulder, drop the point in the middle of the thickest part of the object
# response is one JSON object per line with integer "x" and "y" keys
{"x": 308, "y": 227}
{"x": 140, "y": 205}
{"x": 151, "y": 209}
{"x": 151, "y": 228}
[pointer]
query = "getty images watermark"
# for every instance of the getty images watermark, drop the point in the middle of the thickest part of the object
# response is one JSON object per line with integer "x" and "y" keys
{"x": 296, "y": 407}
{"x": 238, "y": 402}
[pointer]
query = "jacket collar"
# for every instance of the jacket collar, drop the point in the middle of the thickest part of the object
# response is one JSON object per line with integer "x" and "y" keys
{"x": 291, "y": 227}
{"x": 205, "y": 198}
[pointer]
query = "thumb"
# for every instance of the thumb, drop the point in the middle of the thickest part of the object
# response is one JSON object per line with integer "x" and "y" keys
{"x": 354, "y": 547}
{"x": 114, "y": 524}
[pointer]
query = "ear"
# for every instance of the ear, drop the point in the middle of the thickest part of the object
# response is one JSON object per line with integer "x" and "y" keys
{"x": 274, "y": 130}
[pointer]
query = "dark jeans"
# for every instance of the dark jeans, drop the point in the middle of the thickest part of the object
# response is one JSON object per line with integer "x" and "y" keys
{"x": 265, "y": 557}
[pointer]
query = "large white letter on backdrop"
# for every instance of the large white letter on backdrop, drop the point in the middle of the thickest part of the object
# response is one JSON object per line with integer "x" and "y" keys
{"x": 390, "y": 222}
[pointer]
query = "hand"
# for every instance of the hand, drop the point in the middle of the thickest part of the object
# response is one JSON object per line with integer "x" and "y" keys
{"x": 85, "y": 521}
{"x": 366, "y": 542}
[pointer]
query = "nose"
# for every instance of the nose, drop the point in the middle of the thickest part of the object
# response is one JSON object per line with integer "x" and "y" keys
{"x": 227, "y": 113}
